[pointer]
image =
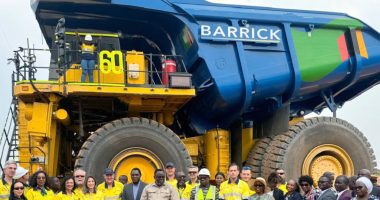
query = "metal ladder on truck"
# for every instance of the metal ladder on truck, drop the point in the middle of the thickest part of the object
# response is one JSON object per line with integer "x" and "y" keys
{"x": 9, "y": 136}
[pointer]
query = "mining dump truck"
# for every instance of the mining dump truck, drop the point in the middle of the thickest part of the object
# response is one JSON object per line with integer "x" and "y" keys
{"x": 194, "y": 83}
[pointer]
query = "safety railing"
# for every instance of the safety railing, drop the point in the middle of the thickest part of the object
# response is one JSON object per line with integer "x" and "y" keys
{"x": 40, "y": 161}
{"x": 130, "y": 68}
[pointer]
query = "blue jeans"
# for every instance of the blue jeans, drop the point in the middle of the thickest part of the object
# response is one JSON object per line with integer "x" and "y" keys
{"x": 88, "y": 67}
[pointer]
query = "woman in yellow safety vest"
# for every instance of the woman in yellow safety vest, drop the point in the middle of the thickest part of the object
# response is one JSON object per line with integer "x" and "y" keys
{"x": 39, "y": 187}
{"x": 68, "y": 187}
{"x": 17, "y": 191}
{"x": 219, "y": 179}
{"x": 90, "y": 192}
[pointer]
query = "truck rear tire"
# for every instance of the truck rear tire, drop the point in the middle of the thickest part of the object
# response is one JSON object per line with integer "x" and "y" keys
{"x": 139, "y": 135}
{"x": 319, "y": 144}
{"x": 256, "y": 156}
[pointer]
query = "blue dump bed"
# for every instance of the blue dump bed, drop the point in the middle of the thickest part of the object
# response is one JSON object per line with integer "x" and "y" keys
{"x": 247, "y": 62}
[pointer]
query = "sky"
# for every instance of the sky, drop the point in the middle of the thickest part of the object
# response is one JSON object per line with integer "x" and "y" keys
{"x": 17, "y": 23}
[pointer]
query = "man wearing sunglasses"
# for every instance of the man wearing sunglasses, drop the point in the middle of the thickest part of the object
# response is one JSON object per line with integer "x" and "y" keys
{"x": 79, "y": 176}
{"x": 306, "y": 184}
{"x": 193, "y": 176}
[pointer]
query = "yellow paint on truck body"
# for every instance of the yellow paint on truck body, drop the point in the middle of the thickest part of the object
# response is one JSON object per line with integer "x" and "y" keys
{"x": 38, "y": 138}
{"x": 217, "y": 151}
{"x": 247, "y": 142}
{"x": 137, "y": 72}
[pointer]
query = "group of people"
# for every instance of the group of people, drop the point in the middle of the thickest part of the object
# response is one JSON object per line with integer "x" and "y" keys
{"x": 171, "y": 184}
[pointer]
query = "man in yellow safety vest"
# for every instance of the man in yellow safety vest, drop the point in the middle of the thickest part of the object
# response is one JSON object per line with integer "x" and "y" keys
{"x": 7, "y": 179}
{"x": 111, "y": 188}
{"x": 234, "y": 188}
{"x": 170, "y": 174}
{"x": 204, "y": 191}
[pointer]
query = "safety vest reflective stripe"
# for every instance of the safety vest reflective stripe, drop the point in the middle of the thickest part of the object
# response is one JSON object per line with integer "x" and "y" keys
{"x": 209, "y": 195}
{"x": 232, "y": 194}
{"x": 88, "y": 48}
{"x": 233, "y": 191}
{"x": 235, "y": 194}
{"x": 4, "y": 196}
{"x": 112, "y": 197}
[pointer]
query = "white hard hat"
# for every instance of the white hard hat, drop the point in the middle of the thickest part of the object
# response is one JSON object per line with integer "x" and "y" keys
{"x": 88, "y": 37}
{"x": 204, "y": 171}
{"x": 20, "y": 172}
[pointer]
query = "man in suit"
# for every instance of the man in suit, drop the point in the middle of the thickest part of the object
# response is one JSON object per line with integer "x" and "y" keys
{"x": 133, "y": 190}
{"x": 327, "y": 193}
{"x": 341, "y": 186}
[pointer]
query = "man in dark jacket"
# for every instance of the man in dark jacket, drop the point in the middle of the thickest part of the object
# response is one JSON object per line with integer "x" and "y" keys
{"x": 273, "y": 183}
{"x": 327, "y": 193}
{"x": 341, "y": 186}
{"x": 133, "y": 190}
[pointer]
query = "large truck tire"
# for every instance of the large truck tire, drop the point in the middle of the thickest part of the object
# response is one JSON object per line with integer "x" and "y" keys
{"x": 137, "y": 139}
{"x": 256, "y": 155}
{"x": 316, "y": 145}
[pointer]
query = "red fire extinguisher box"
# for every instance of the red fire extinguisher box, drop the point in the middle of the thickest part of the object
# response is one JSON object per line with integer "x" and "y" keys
{"x": 168, "y": 66}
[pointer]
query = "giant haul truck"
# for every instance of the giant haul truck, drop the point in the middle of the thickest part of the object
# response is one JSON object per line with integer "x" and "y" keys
{"x": 194, "y": 83}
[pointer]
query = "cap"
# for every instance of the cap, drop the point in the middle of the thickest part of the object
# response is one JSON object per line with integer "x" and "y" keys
{"x": 169, "y": 164}
{"x": 204, "y": 171}
{"x": 108, "y": 171}
{"x": 88, "y": 37}
{"x": 20, "y": 172}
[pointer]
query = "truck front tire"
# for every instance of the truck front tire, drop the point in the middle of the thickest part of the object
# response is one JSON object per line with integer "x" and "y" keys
{"x": 115, "y": 137}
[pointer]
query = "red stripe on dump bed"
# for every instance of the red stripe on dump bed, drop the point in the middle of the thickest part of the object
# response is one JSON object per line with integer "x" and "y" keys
{"x": 343, "y": 47}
